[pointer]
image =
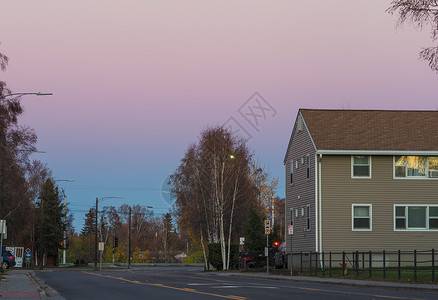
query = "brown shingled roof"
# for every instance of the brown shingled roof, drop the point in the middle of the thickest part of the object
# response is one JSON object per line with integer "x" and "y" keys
{"x": 373, "y": 130}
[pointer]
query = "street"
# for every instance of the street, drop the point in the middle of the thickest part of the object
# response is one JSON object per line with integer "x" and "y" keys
{"x": 190, "y": 283}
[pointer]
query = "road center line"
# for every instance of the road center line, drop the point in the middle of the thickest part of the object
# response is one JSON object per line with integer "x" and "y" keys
{"x": 168, "y": 287}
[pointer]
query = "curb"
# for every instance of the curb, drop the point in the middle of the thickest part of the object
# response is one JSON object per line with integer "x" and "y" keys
{"x": 45, "y": 290}
{"x": 357, "y": 283}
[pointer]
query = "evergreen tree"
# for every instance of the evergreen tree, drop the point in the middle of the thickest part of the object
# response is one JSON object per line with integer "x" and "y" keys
{"x": 90, "y": 221}
{"x": 255, "y": 239}
{"x": 51, "y": 211}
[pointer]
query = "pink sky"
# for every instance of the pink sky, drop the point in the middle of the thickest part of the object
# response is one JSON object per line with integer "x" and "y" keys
{"x": 135, "y": 82}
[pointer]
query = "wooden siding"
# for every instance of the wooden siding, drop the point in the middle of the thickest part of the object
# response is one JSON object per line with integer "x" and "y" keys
{"x": 302, "y": 192}
{"x": 340, "y": 191}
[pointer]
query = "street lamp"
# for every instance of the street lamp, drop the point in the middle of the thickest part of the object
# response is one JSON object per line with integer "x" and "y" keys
{"x": 65, "y": 217}
{"x": 23, "y": 94}
{"x": 95, "y": 227}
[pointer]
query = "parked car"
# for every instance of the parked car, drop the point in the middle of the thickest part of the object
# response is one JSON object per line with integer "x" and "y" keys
{"x": 247, "y": 260}
{"x": 8, "y": 259}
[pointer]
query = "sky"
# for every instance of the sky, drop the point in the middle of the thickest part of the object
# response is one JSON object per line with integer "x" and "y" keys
{"x": 134, "y": 82}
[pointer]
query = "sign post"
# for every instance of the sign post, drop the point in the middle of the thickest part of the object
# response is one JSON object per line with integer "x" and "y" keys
{"x": 101, "y": 248}
{"x": 267, "y": 232}
{"x": 291, "y": 232}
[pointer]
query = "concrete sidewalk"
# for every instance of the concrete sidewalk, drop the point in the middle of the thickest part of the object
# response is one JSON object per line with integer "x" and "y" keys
{"x": 340, "y": 281}
{"x": 24, "y": 284}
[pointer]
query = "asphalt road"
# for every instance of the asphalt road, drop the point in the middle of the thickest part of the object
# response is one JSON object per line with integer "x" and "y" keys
{"x": 188, "y": 283}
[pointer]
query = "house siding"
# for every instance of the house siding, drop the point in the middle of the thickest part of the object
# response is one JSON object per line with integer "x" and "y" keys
{"x": 382, "y": 191}
{"x": 302, "y": 192}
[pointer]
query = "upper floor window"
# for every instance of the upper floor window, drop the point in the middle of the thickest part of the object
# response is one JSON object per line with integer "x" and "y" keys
{"x": 308, "y": 167}
{"x": 415, "y": 217}
{"x": 415, "y": 167}
{"x": 361, "y": 166}
{"x": 308, "y": 217}
{"x": 292, "y": 172}
{"x": 291, "y": 216}
{"x": 362, "y": 214}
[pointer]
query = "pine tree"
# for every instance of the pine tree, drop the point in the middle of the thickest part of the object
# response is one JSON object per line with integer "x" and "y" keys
{"x": 255, "y": 239}
{"x": 50, "y": 228}
{"x": 90, "y": 221}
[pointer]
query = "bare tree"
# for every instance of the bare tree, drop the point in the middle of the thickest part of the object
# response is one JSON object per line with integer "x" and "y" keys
{"x": 421, "y": 13}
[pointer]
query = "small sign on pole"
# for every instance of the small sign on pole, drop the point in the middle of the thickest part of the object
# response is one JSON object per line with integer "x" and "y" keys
{"x": 290, "y": 229}
{"x": 267, "y": 226}
{"x": 242, "y": 241}
{"x": 101, "y": 246}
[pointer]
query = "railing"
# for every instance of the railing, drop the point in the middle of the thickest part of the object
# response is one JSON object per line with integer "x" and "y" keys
{"x": 393, "y": 265}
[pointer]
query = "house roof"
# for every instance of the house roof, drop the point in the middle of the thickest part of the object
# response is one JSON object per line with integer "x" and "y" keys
{"x": 372, "y": 130}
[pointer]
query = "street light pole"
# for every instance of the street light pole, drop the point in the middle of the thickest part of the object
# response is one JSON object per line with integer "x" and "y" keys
{"x": 95, "y": 228}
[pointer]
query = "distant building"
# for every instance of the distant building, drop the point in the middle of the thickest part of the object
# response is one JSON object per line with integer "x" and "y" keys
{"x": 362, "y": 180}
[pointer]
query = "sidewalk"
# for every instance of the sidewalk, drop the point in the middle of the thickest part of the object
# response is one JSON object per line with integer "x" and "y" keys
{"x": 24, "y": 284}
{"x": 319, "y": 280}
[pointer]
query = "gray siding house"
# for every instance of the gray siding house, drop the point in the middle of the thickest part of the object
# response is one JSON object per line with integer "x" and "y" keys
{"x": 362, "y": 180}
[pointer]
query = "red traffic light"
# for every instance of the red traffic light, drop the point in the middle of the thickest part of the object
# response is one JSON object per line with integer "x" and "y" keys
{"x": 276, "y": 244}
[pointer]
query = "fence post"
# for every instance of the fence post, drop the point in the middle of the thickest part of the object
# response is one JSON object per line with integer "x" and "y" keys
{"x": 433, "y": 265}
{"x": 384, "y": 264}
{"x": 415, "y": 265}
{"x": 363, "y": 261}
{"x": 371, "y": 263}
{"x": 399, "y": 265}
{"x": 357, "y": 263}
{"x": 310, "y": 262}
{"x": 323, "y": 264}
{"x": 316, "y": 262}
{"x": 343, "y": 263}
{"x": 330, "y": 264}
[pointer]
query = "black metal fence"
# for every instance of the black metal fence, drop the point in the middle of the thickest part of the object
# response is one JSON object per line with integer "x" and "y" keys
{"x": 383, "y": 264}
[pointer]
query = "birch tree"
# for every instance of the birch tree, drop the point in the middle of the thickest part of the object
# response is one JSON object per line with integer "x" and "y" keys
{"x": 212, "y": 187}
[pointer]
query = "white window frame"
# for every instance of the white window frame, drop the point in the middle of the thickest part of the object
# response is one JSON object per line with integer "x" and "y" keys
{"x": 291, "y": 217}
{"x": 407, "y": 217}
{"x": 369, "y": 166}
{"x": 291, "y": 175}
{"x": 302, "y": 211}
{"x": 370, "y": 206}
{"x": 427, "y": 176}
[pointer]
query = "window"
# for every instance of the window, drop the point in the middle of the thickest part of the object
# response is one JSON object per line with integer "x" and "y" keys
{"x": 302, "y": 211}
{"x": 361, "y": 214}
{"x": 415, "y": 217}
{"x": 291, "y": 216}
{"x": 308, "y": 167}
{"x": 308, "y": 217}
{"x": 361, "y": 166}
{"x": 415, "y": 167}
{"x": 296, "y": 213}
{"x": 292, "y": 172}
{"x": 297, "y": 164}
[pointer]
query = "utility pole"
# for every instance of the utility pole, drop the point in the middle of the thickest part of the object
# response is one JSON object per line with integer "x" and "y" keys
{"x": 129, "y": 239}
{"x": 95, "y": 239}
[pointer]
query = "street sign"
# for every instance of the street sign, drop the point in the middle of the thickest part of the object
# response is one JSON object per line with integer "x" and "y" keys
{"x": 101, "y": 246}
{"x": 242, "y": 241}
{"x": 291, "y": 229}
{"x": 266, "y": 251}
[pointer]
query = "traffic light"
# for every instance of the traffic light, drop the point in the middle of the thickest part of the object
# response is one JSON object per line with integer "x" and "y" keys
{"x": 276, "y": 244}
{"x": 116, "y": 242}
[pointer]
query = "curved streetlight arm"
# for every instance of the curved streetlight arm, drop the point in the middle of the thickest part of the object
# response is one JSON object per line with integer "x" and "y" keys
{"x": 22, "y": 94}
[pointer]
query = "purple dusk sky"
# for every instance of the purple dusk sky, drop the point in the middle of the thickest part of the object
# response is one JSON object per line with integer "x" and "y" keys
{"x": 135, "y": 81}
